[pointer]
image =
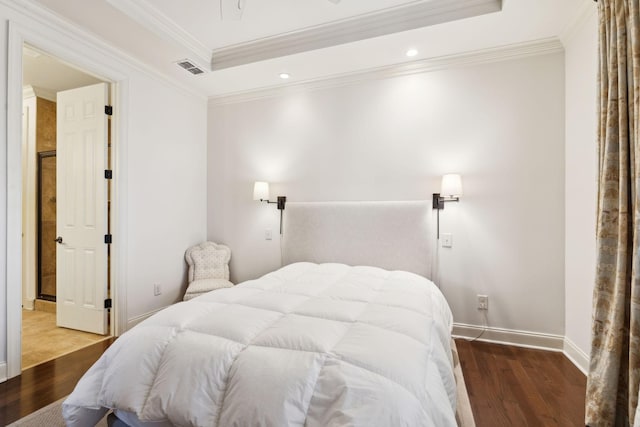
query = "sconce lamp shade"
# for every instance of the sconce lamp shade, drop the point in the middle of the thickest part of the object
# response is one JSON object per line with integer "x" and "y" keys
{"x": 451, "y": 185}
{"x": 261, "y": 191}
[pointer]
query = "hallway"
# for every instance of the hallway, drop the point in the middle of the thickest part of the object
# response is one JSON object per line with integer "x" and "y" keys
{"x": 42, "y": 340}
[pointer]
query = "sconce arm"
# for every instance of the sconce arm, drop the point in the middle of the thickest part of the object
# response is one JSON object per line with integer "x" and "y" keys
{"x": 438, "y": 202}
{"x": 282, "y": 200}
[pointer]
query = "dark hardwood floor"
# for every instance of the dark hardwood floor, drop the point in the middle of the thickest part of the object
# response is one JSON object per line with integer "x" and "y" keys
{"x": 46, "y": 383}
{"x": 514, "y": 386}
{"x": 508, "y": 386}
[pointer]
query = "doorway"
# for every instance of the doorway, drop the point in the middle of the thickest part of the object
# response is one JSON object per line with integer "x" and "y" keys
{"x": 45, "y": 79}
{"x": 102, "y": 62}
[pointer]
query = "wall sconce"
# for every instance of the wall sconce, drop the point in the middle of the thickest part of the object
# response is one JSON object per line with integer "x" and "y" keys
{"x": 261, "y": 193}
{"x": 450, "y": 191}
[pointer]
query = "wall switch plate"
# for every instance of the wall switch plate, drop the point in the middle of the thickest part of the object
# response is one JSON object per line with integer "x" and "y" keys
{"x": 156, "y": 289}
{"x": 268, "y": 234}
{"x": 483, "y": 302}
{"x": 447, "y": 240}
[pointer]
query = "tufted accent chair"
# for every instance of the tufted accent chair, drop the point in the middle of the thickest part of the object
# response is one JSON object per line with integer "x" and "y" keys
{"x": 208, "y": 268}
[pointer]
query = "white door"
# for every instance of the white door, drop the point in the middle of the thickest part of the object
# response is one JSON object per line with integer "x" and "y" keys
{"x": 82, "y": 219}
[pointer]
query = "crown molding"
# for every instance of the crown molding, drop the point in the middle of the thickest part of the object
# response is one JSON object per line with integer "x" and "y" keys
{"x": 152, "y": 19}
{"x": 50, "y": 19}
{"x": 586, "y": 10}
{"x": 28, "y": 92}
{"x": 387, "y": 21}
{"x": 369, "y": 25}
{"x": 495, "y": 54}
{"x": 34, "y": 91}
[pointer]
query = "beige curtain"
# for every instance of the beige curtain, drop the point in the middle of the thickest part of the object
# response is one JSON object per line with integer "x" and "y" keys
{"x": 612, "y": 385}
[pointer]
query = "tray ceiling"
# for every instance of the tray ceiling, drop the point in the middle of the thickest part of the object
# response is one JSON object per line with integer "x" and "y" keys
{"x": 311, "y": 39}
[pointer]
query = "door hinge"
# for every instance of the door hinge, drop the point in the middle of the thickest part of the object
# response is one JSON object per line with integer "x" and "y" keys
{"x": 107, "y": 303}
{"x": 108, "y": 110}
{"x": 108, "y": 239}
{"x": 108, "y": 174}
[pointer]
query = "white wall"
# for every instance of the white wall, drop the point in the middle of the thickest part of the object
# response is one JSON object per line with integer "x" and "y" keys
{"x": 581, "y": 63}
{"x": 3, "y": 208}
{"x": 29, "y": 203}
{"x": 501, "y": 125}
{"x": 162, "y": 156}
{"x": 166, "y": 189}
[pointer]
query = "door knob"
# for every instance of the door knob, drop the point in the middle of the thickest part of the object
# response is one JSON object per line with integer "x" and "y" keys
{"x": 59, "y": 240}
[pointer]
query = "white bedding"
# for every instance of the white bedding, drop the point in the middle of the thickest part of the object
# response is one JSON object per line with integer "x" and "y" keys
{"x": 309, "y": 344}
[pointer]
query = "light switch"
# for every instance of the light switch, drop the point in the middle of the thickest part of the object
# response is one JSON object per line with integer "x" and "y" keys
{"x": 268, "y": 234}
{"x": 447, "y": 240}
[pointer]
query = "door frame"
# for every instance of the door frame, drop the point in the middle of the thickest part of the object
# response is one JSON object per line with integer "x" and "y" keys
{"x": 41, "y": 155}
{"x": 95, "y": 60}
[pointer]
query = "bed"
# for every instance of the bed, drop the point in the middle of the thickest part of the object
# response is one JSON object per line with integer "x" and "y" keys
{"x": 313, "y": 343}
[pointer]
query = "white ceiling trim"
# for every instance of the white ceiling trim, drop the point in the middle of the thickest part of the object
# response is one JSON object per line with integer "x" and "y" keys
{"x": 586, "y": 10}
{"x": 157, "y": 22}
{"x": 48, "y": 18}
{"x": 501, "y": 53}
{"x": 28, "y": 92}
{"x": 388, "y": 21}
{"x": 31, "y": 91}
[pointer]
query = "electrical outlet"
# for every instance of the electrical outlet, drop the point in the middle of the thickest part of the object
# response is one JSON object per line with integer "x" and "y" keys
{"x": 483, "y": 302}
{"x": 156, "y": 289}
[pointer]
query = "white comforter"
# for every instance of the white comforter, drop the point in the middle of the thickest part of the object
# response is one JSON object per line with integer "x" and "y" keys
{"x": 314, "y": 345}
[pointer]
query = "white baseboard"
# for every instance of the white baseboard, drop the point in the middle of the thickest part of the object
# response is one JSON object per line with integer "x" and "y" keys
{"x": 576, "y": 355}
{"x": 135, "y": 320}
{"x": 3, "y": 372}
{"x": 527, "y": 339}
{"x": 536, "y": 340}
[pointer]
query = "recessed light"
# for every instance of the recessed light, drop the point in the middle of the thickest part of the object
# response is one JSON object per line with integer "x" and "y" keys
{"x": 412, "y": 52}
{"x": 284, "y": 76}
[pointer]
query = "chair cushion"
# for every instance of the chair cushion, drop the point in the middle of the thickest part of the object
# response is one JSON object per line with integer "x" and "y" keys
{"x": 200, "y": 287}
{"x": 208, "y": 260}
{"x": 206, "y": 285}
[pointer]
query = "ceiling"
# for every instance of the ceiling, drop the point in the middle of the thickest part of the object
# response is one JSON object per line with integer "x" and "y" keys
{"x": 312, "y": 39}
{"x": 51, "y": 75}
{"x": 261, "y": 18}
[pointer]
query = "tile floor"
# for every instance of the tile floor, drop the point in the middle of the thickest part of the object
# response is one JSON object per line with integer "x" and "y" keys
{"x": 42, "y": 340}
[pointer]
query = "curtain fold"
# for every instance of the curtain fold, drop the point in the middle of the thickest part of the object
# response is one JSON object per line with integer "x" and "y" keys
{"x": 614, "y": 372}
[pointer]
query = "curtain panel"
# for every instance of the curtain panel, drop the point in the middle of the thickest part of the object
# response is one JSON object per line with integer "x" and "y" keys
{"x": 612, "y": 384}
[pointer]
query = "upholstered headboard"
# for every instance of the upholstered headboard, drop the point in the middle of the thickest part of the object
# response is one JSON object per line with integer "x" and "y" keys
{"x": 390, "y": 235}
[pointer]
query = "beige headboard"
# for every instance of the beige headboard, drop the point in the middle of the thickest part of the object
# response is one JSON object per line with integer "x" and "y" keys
{"x": 390, "y": 235}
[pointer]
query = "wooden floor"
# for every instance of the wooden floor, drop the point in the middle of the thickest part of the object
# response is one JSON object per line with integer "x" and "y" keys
{"x": 514, "y": 386}
{"x": 507, "y": 386}
{"x": 46, "y": 383}
{"x": 42, "y": 340}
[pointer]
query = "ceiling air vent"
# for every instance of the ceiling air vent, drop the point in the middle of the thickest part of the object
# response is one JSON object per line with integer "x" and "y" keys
{"x": 190, "y": 67}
